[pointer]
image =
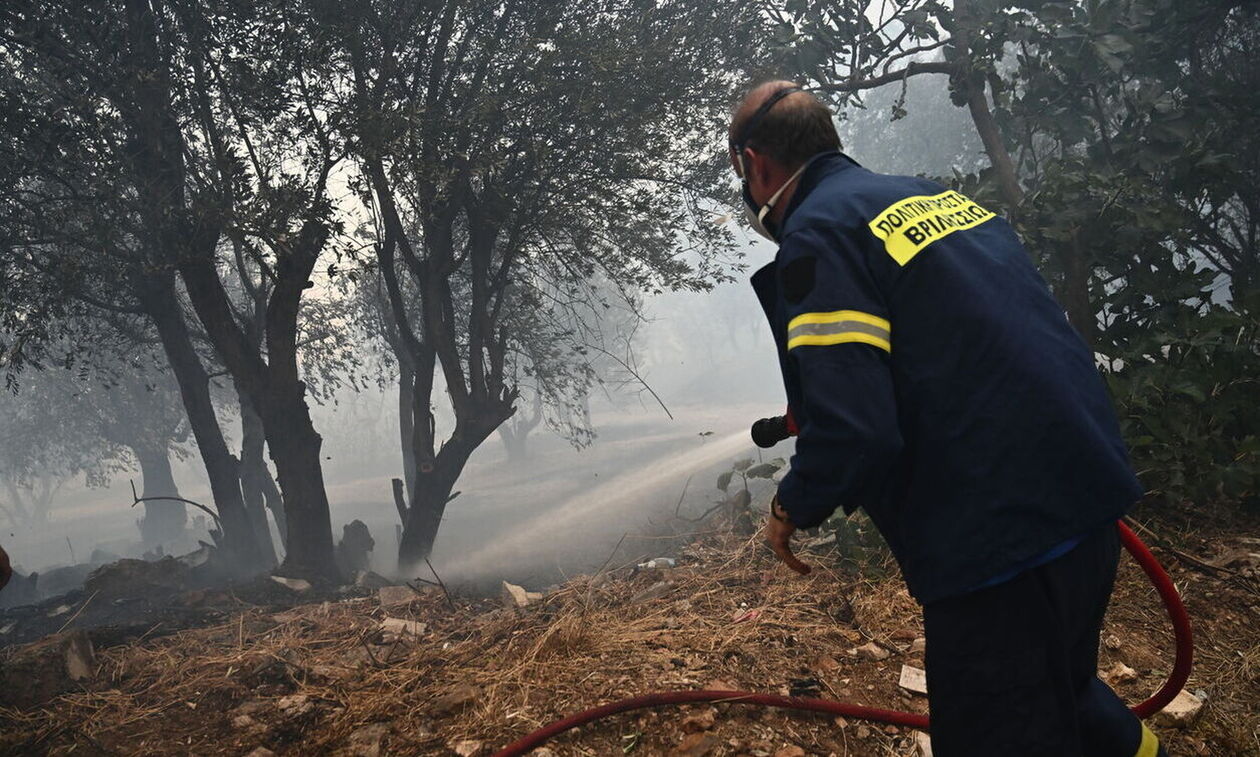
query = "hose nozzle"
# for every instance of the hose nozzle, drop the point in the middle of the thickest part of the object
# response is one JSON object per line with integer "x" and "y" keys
{"x": 768, "y": 432}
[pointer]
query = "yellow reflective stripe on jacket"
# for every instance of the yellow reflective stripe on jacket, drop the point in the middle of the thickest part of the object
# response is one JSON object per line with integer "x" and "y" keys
{"x": 839, "y": 327}
{"x": 1149, "y": 746}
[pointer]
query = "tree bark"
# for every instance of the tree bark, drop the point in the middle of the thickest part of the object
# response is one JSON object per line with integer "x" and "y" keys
{"x": 973, "y": 86}
{"x": 254, "y": 473}
{"x": 276, "y": 392}
{"x": 157, "y": 296}
{"x": 991, "y": 137}
{"x": 164, "y": 521}
{"x": 406, "y": 418}
{"x": 294, "y": 446}
{"x": 1073, "y": 291}
{"x": 428, "y": 505}
{"x": 435, "y": 479}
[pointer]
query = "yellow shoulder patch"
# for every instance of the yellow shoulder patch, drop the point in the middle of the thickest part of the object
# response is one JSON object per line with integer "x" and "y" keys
{"x": 909, "y": 225}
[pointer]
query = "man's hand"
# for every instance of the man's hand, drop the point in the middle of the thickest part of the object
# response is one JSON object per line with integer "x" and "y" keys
{"x": 779, "y": 532}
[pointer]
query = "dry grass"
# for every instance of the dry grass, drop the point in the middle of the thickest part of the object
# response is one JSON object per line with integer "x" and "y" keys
{"x": 731, "y": 615}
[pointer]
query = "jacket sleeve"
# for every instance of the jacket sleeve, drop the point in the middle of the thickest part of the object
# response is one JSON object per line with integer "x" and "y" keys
{"x": 839, "y": 342}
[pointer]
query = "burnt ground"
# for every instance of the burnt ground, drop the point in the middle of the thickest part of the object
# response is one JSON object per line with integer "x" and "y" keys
{"x": 323, "y": 677}
{"x": 132, "y": 600}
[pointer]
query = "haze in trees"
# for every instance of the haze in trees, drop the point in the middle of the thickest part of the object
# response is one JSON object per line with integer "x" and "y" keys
{"x": 271, "y": 255}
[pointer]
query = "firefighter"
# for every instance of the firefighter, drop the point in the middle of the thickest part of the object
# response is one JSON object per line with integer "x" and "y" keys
{"x": 936, "y": 384}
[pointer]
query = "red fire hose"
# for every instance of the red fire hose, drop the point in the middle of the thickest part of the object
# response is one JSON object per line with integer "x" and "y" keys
{"x": 1176, "y": 679}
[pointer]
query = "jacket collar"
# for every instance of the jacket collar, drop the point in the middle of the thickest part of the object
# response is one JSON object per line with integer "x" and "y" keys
{"x": 820, "y": 167}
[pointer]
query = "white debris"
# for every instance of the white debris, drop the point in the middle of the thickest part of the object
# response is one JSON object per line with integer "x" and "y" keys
{"x": 1120, "y": 673}
{"x": 80, "y": 657}
{"x": 467, "y": 748}
{"x": 397, "y": 628}
{"x": 1181, "y": 712}
{"x": 922, "y": 744}
{"x": 293, "y": 584}
{"x": 913, "y": 679}
{"x": 657, "y": 563}
{"x": 515, "y": 596}
{"x": 396, "y": 595}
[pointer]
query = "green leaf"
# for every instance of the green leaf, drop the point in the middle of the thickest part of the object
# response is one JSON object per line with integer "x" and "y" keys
{"x": 764, "y": 470}
{"x": 724, "y": 480}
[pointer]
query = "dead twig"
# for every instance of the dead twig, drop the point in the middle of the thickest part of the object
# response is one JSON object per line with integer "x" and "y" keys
{"x": 440, "y": 584}
{"x": 83, "y": 606}
{"x": 678, "y": 506}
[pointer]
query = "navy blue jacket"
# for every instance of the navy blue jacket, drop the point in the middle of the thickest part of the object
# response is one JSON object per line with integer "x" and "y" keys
{"x": 935, "y": 381}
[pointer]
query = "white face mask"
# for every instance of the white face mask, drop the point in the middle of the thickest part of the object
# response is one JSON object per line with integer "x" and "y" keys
{"x": 757, "y": 217}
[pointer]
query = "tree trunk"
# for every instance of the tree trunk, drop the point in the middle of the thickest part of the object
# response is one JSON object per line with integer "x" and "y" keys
{"x": 1073, "y": 291}
{"x": 253, "y": 472}
{"x": 428, "y": 504}
{"x": 406, "y": 419}
{"x": 972, "y": 84}
{"x": 164, "y": 521}
{"x": 991, "y": 137}
{"x": 157, "y": 294}
{"x": 295, "y": 446}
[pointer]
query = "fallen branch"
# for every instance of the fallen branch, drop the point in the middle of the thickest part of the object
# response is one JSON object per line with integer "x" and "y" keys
{"x": 138, "y": 499}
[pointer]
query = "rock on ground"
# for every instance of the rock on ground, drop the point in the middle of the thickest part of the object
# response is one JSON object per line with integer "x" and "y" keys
{"x": 1181, "y": 712}
{"x": 390, "y": 596}
{"x": 1119, "y": 673}
{"x": 467, "y": 748}
{"x": 694, "y": 745}
{"x": 913, "y": 679}
{"x": 516, "y": 596}
{"x": 871, "y": 651}
{"x": 393, "y": 629}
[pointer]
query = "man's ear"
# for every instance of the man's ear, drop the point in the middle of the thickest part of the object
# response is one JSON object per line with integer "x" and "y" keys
{"x": 753, "y": 165}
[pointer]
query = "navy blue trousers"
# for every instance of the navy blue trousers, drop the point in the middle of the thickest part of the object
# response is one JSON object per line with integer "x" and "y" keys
{"x": 1012, "y": 669}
